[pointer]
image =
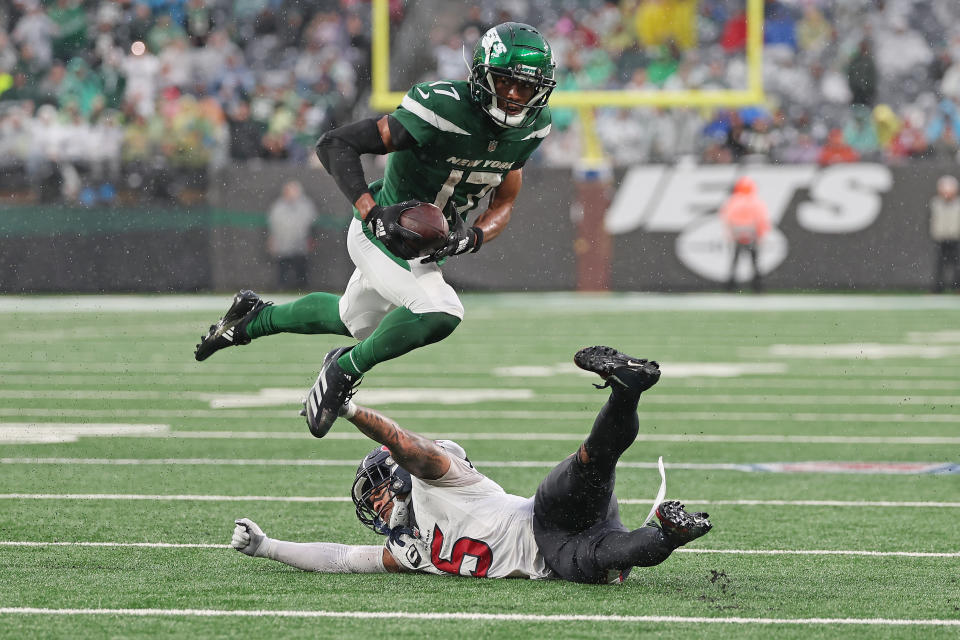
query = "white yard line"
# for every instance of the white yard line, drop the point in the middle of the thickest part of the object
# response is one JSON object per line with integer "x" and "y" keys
{"x": 12, "y": 371}
{"x": 185, "y": 461}
{"x": 576, "y": 437}
{"x": 632, "y": 501}
{"x": 788, "y": 382}
{"x": 813, "y": 503}
{"x": 735, "y": 552}
{"x": 823, "y": 552}
{"x": 856, "y": 351}
{"x": 118, "y": 303}
{"x": 60, "y": 432}
{"x": 526, "y": 303}
{"x": 453, "y": 414}
{"x": 98, "y": 394}
{"x": 388, "y": 395}
{"x": 777, "y": 400}
{"x": 483, "y": 617}
{"x": 13, "y": 430}
{"x": 872, "y": 468}
{"x": 705, "y": 416}
{"x": 170, "y": 498}
{"x": 144, "y": 545}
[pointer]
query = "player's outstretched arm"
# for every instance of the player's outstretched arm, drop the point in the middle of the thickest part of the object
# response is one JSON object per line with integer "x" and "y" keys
{"x": 419, "y": 455}
{"x": 322, "y": 557}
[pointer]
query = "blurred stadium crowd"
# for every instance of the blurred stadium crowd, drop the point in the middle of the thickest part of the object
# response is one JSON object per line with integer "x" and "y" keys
{"x": 151, "y": 97}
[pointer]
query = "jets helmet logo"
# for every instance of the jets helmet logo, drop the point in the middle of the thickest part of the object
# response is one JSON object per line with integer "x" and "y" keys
{"x": 492, "y": 44}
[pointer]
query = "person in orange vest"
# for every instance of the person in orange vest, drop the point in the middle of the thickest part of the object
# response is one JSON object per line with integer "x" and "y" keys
{"x": 746, "y": 219}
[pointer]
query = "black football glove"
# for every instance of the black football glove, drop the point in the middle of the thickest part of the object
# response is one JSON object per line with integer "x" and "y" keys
{"x": 461, "y": 240}
{"x": 385, "y": 225}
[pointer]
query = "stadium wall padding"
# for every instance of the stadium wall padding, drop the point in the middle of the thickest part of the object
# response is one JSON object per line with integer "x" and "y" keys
{"x": 860, "y": 226}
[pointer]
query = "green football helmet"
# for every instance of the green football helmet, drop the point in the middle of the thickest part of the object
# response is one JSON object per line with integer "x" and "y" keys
{"x": 518, "y": 52}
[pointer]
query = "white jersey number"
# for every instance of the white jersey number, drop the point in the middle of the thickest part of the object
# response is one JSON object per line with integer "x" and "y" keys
{"x": 488, "y": 179}
{"x": 445, "y": 92}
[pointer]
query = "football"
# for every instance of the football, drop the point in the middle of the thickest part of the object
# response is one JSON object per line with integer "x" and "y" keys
{"x": 427, "y": 221}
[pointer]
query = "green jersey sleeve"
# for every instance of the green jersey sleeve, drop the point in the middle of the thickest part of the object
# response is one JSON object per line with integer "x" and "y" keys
{"x": 418, "y": 113}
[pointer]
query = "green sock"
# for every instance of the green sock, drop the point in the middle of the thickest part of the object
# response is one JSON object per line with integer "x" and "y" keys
{"x": 313, "y": 313}
{"x": 399, "y": 332}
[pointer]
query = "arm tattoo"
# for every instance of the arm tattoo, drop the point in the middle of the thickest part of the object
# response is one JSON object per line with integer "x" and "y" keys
{"x": 415, "y": 453}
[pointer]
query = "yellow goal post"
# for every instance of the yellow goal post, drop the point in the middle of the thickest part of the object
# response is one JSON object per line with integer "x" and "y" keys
{"x": 384, "y": 100}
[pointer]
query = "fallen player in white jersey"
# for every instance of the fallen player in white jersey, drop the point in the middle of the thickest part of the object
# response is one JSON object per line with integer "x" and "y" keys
{"x": 442, "y": 516}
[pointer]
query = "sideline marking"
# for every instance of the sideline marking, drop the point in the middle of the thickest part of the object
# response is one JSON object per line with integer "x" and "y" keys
{"x": 462, "y": 615}
{"x": 641, "y": 501}
{"x": 873, "y": 468}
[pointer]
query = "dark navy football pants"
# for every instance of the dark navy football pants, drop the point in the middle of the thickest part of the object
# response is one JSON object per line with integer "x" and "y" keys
{"x": 576, "y": 518}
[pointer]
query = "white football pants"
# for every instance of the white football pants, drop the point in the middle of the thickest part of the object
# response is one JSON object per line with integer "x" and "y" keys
{"x": 380, "y": 284}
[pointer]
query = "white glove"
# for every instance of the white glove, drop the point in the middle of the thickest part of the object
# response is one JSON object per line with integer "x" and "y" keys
{"x": 412, "y": 552}
{"x": 400, "y": 514}
{"x": 248, "y": 538}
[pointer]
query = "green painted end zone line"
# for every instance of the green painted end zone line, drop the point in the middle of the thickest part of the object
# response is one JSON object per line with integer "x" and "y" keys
{"x": 496, "y": 617}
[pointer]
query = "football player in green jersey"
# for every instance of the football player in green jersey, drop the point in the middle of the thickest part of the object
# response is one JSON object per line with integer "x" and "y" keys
{"x": 451, "y": 143}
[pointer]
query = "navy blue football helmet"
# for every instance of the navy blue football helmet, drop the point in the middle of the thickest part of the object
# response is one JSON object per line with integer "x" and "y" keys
{"x": 378, "y": 470}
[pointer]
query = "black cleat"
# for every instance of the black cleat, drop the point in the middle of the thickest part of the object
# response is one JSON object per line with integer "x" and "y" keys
{"x": 333, "y": 388}
{"x": 231, "y": 328}
{"x": 678, "y": 525}
{"x": 635, "y": 374}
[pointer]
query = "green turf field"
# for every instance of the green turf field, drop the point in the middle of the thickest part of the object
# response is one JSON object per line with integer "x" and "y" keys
{"x": 822, "y": 433}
